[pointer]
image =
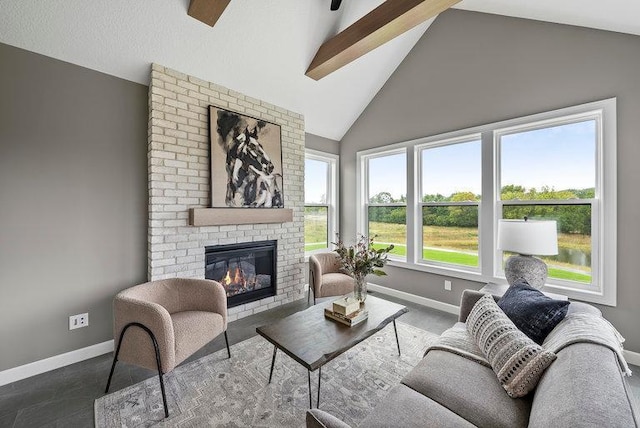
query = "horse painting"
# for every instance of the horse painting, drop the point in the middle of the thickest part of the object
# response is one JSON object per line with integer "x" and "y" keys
{"x": 252, "y": 162}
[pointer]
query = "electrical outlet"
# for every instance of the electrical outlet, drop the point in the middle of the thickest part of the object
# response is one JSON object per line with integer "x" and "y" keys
{"x": 78, "y": 321}
{"x": 447, "y": 285}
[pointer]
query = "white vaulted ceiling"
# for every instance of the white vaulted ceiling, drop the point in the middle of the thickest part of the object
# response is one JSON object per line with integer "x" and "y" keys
{"x": 258, "y": 47}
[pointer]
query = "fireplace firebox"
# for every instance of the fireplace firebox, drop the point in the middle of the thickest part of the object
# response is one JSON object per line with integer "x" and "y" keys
{"x": 247, "y": 270}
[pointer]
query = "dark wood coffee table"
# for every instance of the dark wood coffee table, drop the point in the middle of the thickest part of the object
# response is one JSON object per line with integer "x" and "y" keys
{"x": 313, "y": 340}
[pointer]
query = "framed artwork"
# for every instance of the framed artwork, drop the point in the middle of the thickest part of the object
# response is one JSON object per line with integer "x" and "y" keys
{"x": 246, "y": 161}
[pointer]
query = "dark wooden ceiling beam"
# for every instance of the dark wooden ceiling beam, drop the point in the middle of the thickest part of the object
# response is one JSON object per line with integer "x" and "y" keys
{"x": 207, "y": 11}
{"x": 387, "y": 21}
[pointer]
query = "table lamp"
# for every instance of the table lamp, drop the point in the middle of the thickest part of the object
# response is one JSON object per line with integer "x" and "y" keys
{"x": 528, "y": 238}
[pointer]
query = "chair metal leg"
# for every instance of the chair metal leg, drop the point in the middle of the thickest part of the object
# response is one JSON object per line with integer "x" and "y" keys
{"x": 273, "y": 361}
{"x": 226, "y": 339}
{"x": 115, "y": 360}
{"x": 158, "y": 361}
{"x": 159, "y": 364}
{"x": 396, "y": 331}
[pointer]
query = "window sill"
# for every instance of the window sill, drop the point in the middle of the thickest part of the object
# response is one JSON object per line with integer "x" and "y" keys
{"x": 590, "y": 296}
{"x": 573, "y": 294}
{"x": 439, "y": 270}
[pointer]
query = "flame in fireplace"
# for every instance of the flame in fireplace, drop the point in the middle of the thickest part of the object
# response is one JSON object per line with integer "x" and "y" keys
{"x": 236, "y": 278}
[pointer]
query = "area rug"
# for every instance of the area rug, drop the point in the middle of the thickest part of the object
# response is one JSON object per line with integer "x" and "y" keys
{"x": 215, "y": 391}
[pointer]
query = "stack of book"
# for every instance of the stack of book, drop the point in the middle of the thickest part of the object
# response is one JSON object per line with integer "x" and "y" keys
{"x": 347, "y": 311}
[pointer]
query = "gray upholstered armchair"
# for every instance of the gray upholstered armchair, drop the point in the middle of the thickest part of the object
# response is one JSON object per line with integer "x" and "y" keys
{"x": 326, "y": 277}
{"x": 167, "y": 321}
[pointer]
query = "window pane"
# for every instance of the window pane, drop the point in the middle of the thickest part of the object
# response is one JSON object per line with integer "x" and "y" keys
{"x": 452, "y": 173}
{"x": 450, "y": 234}
{"x": 388, "y": 179}
{"x": 573, "y": 262}
{"x": 316, "y": 228}
{"x": 315, "y": 181}
{"x": 550, "y": 163}
{"x": 388, "y": 225}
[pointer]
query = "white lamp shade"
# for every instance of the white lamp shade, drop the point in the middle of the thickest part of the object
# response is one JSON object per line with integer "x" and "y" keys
{"x": 535, "y": 238}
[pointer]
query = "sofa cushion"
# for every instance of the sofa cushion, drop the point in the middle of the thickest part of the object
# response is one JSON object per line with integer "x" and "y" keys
{"x": 531, "y": 311}
{"x": 406, "y": 408}
{"x": 469, "y": 389}
{"x": 516, "y": 359}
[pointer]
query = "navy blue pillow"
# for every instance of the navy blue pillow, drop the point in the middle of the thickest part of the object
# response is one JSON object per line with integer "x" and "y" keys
{"x": 531, "y": 311}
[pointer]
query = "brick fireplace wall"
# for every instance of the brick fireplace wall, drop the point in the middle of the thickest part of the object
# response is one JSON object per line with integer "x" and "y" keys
{"x": 178, "y": 155}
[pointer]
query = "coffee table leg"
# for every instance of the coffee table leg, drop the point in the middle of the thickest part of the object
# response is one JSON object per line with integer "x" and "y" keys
{"x": 309, "y": 378}
{"x": 319, "y": 377}
{"x": 396, "y": 331}
{"x": 273, "y": 360}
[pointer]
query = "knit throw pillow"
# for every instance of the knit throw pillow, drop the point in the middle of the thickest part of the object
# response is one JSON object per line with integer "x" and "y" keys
{"x": 516, "y": 359}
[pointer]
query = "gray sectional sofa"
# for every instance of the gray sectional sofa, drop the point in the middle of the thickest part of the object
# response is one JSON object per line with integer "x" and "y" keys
{"x": 583, "y": 387}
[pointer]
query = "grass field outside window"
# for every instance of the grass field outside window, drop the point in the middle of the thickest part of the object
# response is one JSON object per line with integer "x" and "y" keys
{"x": 465, "y": 240}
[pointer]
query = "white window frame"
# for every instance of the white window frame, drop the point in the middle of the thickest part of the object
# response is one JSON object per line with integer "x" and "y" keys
{"x": 418, "y": 149}
{"x": 604, "y": 205}
{"x": 363, "y": 194}
{"x": 332, "y": 195}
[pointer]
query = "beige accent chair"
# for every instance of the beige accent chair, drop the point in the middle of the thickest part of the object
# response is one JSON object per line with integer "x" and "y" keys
{"x": 166, "y": 322}
{"x": 326, "y": 277}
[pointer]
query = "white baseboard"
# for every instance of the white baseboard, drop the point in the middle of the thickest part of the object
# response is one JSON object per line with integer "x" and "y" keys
{"x": 38, "y": 367}
{"x": 55, "y": 362}
{"x": 632, "y": 357}
{"x": 424, "y": 301}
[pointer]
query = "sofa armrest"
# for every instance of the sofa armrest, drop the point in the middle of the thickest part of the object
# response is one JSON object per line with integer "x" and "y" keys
{"x": 585, "y": 386}
{"x": 319, "y": 419}
{"x": 469, "y": 298}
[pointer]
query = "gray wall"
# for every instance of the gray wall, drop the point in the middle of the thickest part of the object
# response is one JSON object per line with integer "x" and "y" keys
{"x": 321, "y": 144}
{"x": 471, "y": 69}
{"x": 73, "y": 202}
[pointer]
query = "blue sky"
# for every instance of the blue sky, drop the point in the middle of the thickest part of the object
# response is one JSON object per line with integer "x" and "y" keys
{"x": 562, "y": 157}
{"x": 315, "y": 182}
{"x": 388, "y": 174}
{"x": 451, "y": 169}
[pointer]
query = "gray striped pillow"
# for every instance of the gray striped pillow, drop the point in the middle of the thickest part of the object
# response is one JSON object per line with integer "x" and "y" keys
{"x": 517, "y": 360}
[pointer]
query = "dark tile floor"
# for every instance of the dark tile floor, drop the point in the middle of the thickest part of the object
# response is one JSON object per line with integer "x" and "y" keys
{"x": 64, "y": 398}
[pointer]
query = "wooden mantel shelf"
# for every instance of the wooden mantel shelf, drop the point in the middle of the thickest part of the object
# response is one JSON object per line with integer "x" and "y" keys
{"x": 225, "y": 216}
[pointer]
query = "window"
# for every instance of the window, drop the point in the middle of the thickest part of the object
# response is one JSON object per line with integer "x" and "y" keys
{"x": 443, "y": 204}
{"x": 450, "y": 192}
{"x": 386, "y": 201}
{"x": 558, "y": 183}
{"x": 320, "y": 200}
